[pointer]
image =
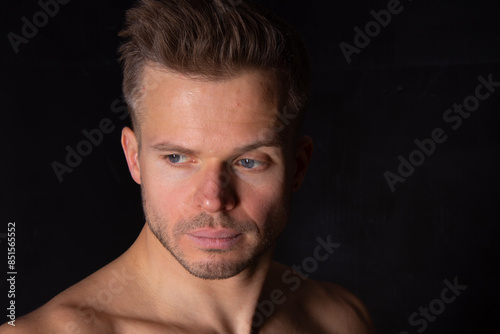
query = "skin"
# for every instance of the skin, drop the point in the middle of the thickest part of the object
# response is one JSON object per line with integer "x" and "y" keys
{"x": 207, "y": 163}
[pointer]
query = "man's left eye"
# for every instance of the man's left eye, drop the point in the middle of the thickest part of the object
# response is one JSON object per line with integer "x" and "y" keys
{"x": 250, "y": 163}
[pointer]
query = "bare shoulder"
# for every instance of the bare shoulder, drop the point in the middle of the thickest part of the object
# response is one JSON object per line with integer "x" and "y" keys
{"x": 327, "y": 307}
{"x": 89, "y": 306}
{"x": 340, "y": 308}
{"x": 54, "y": 318}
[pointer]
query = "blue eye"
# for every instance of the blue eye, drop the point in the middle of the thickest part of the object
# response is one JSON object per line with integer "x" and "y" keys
{"x": 252, "y": 165}
{"x": 247, "y": 163}
{"x": 176, "y": 158}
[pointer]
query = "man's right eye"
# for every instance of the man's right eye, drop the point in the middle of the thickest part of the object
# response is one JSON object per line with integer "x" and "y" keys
{"x": 176, "y": 158}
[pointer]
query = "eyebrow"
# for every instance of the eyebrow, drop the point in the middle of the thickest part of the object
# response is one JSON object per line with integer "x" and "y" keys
{"x": 166, "y": 146}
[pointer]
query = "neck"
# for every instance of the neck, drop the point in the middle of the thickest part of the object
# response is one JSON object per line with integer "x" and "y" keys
{"x": 226, "y": 305}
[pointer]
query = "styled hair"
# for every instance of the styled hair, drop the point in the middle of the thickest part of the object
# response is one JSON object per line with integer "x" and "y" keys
{"x": 213, "y": 39}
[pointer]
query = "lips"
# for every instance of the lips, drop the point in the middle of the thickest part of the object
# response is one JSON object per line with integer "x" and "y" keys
{"x": 215, "y": 238}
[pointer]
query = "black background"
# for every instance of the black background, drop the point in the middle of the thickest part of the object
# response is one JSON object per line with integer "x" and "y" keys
{"x": 397, "y": 247}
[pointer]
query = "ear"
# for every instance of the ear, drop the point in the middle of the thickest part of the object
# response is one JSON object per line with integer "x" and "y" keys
{"x": 131, "y": 149}
{"x": 302, "y": 158}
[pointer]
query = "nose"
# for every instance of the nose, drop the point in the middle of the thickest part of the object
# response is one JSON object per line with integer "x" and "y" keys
{"x": 214, "y": 192}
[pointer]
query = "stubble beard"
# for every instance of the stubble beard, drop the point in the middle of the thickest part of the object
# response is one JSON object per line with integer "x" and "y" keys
{"x": 213, "y": 266}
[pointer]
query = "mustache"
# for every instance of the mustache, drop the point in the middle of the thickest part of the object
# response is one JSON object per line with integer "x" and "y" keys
{"x": 204, "y": 220}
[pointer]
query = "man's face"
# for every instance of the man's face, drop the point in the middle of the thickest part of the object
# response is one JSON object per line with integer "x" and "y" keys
{"x": 216, "y": 182}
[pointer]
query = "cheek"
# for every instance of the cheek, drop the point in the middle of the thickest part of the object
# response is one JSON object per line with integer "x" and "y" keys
{"x": 163, "y": 193}
{"x": 262, "y": 202}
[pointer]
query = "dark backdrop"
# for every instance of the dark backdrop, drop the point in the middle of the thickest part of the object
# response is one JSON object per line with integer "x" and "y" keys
{"x": 396, "y": 247}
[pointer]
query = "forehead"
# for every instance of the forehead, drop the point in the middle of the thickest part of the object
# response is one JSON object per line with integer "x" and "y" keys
{"x": 243, "y": 105}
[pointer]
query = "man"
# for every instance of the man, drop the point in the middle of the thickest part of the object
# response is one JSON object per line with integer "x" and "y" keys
{"x": 216, "y": 92}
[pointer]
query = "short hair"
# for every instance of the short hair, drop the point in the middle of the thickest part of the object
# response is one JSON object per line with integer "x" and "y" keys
{"x": 214, "y": 39}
